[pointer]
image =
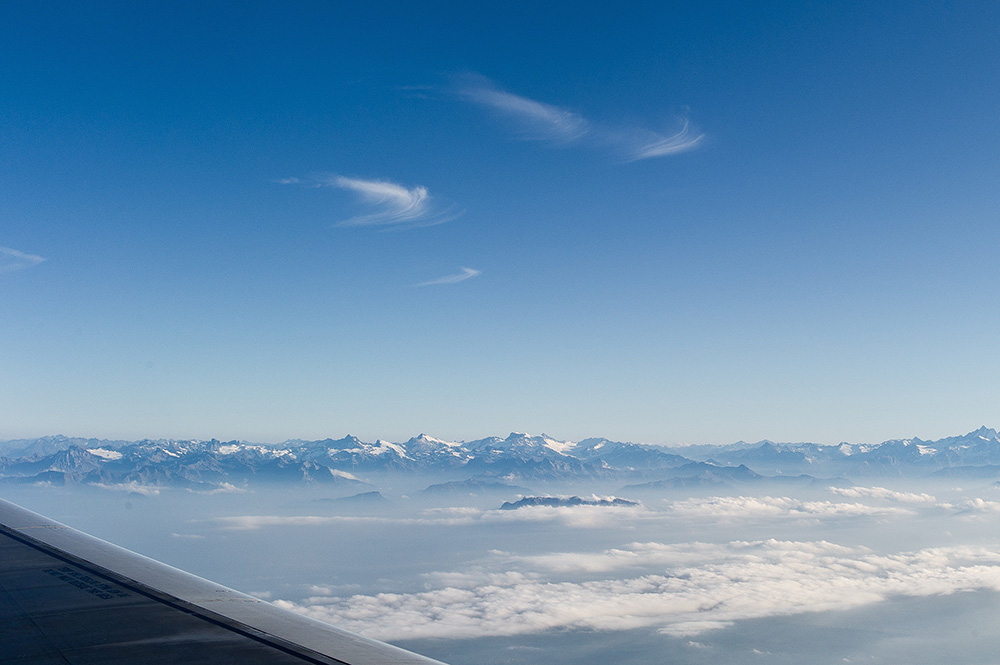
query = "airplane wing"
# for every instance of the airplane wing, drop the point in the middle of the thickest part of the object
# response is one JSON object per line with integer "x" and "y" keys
{"x": 68, "y": 598}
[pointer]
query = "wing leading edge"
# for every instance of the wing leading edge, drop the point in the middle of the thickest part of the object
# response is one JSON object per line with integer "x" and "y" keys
{"x": 69, "y": 598}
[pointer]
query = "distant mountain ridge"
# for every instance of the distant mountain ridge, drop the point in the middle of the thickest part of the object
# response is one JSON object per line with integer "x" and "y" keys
{"x": 566, "y": 501}
{"x": 515, "y": 458}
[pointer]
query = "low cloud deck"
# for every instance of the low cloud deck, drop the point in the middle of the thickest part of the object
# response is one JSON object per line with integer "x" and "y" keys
{"x": 66, "y": 597}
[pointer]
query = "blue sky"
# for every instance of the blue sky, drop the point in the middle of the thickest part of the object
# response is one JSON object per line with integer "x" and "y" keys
{"x": 664, "y": 222}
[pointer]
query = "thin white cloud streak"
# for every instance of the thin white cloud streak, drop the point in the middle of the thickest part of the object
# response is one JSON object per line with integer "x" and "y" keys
{"x": 12, "y": 260}
{"x": 537, "y": 119}
{"x": 702, "y": 588}
{"x": 223, "y": 488}
{"x": 730, "y": 508}
{"x": 392, "y": 204}
{"x": 883, "y": 493}
{"x": 633, "y": 555}
{"x": 719, "y": 508}
{"x": 467, "y": 273}
{"x": 585, "y": 517}
{"x": 476, "y": 577}
{"x": 131, "y": 487}
{"x": 542, "y": 121}
{"x": 254, "y": 522}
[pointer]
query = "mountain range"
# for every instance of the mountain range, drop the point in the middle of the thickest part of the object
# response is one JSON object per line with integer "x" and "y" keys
{"x": 492, "y": 462}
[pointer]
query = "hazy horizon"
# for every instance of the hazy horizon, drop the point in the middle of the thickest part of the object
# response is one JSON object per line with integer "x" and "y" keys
{"x": 507, "y": 433}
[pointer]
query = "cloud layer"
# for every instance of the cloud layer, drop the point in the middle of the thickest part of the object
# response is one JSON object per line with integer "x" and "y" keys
{"x": 722, "y": 509}
{"x": 586, "y": 517}
{"x": 538, "y": 120}
{"x": 678, "y": 589}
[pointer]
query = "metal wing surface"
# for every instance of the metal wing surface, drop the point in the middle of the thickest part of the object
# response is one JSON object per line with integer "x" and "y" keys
{"x": 69, "y": 598}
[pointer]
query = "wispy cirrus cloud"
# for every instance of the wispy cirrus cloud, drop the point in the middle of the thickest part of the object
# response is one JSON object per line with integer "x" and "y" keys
{"x": 395, "y": 204}
{"x": 466, "y": 273}
{"x": 537, "y": 120}
{"x": 389, "y": 204}
{"x": 541, "y": 121}
{"x": 648, "y": 145}
{"x": 678, "y": 589}
{"x": 12, "y": 260}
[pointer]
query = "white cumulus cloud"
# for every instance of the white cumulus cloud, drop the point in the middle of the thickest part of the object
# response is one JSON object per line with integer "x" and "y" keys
{"x": 976, "y": 505}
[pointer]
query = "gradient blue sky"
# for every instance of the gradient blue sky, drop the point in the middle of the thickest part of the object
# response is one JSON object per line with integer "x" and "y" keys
{"x": 666, "y": 222}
